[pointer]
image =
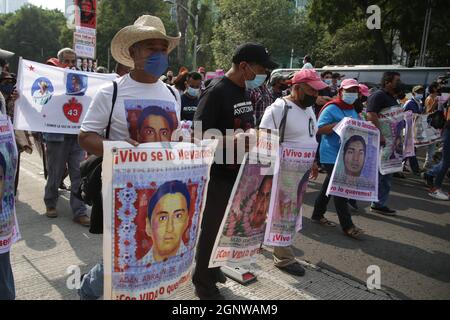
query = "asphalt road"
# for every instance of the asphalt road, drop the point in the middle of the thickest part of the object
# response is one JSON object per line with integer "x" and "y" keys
{"x": 412, "y": 249}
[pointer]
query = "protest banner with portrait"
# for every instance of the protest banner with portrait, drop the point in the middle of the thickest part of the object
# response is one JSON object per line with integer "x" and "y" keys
{"x": 424, "y": 133}
{"x": 355, "y": 174}
{"x": 9, "y": 230}
{"x": 155, "y": 195}
{"x": 54, "y": 100}
{"x": 241, "y": 233}
{"x": 394, "y": 128}
{"x": 289, "y": 187}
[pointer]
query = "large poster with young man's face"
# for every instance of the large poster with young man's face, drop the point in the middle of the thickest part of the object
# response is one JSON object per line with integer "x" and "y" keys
{"x": 355, "y": 174}
{"x": 9, "y": 231}
{"x": 396, "y": 128}
{"x": 288, "y": 190}
{"x": 156, "y": 196}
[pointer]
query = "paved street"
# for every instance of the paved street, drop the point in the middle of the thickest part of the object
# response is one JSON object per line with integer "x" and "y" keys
{"x": 412, "y": 250}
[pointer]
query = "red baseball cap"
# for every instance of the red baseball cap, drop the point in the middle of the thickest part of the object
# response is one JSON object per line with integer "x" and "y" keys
{"x": 310, "y": 77}
{"x": 349, "y": 83}
{"x": 364, "y": 90}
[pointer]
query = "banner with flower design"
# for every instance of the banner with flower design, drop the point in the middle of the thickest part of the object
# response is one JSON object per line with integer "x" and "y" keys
{"x": 9, "y": 230}
{"x": 156, "y": 194}
{"x": 289, "y": 186}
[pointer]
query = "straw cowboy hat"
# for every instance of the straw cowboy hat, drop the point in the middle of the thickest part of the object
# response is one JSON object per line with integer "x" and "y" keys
{"x": 145, "y": 27}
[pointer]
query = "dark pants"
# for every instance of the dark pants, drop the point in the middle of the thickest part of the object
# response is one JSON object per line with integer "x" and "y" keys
{"x": 7, "y": 290}
{"x": 440, "y": 170}
{"x": 341, "y": 205}
{"x": 219, "y": 191}
{"x": 414, "y": 164}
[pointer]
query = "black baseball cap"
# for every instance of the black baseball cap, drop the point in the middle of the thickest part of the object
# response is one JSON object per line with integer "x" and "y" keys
{"x": 254, "y": 53}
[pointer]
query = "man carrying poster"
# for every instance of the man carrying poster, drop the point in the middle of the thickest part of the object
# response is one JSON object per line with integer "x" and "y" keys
{"x": 383, "y": 99}
{"x": 355, "y": 175}
{"x": 144, "y": 47}
{"x": 300, "y": 127}
{"x": 9, "y": 232}
{"x": 225, "y": 108}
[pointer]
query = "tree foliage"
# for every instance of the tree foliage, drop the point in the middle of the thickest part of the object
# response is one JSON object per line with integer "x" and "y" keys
{"x": 33, "y": 33}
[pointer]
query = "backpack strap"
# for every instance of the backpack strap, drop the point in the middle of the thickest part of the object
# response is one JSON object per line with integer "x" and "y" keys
{"x": 284, "y": 120}
{"x": 114, "y": 98}
{"x": 172, "y": 92}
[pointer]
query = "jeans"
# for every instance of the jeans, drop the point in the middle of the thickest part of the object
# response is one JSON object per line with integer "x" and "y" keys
{"x": 341, "y": 205}
{"x": 431, "y": 150}
{"x": 384, "y": 188}
{"x": 440, "y": 170}
{"x": 92, "y": 284}
{"x": 58, "y": 154}
{"x": 7, "y": 289}
{"x": 413, "y": 163}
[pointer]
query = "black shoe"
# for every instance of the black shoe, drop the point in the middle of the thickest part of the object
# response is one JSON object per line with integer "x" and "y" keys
{"x": 294, "y": 269}
{"x": 221, "y": 278}
{"x": 208, "y": 294}
{"x": 384, "y": 211}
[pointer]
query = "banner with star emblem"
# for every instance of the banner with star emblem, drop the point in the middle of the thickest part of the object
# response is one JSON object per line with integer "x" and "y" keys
{"x": 54, "y": 100}
{"x": 153, "y": 200}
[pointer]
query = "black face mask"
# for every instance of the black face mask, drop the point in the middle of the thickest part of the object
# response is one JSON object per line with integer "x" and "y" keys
{"x": 308, "y": 101}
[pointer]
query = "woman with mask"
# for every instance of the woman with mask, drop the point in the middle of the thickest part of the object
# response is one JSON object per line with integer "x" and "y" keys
{"x": 331, "y": 114}
{"x": 189, "y": 99}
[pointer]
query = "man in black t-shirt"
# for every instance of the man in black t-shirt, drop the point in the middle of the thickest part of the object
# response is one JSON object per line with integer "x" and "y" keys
{"x": 381, "y": 100}
{"x": 189, "y": 99}
{"x": 225, "y": 105}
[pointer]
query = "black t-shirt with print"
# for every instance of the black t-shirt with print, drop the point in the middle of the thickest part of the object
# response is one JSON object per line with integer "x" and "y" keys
{"x": 188, "y": 107}
{"x": 224, "y": 105}
{"x": 380, "y": 100}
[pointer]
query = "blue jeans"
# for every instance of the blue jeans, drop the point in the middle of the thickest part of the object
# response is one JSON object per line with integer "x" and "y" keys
{"x": 92, "y": 284}
{"x": 440, "y": 170}
{"x": 384, "y": 188}
{"x": 7, "y": 290}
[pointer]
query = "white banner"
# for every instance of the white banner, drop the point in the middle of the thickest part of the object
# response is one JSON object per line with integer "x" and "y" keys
{"x": 153, "y": 200}
{"x": 355, "y": 174}
{"x": 424, "y": 133}
{"x": 52, "y": 99}
{"x": 9, "y": 229}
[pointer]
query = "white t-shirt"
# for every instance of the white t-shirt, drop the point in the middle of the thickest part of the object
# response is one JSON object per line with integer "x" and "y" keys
{"x": 301, "y": 124}
{"x": 132, "y": 98}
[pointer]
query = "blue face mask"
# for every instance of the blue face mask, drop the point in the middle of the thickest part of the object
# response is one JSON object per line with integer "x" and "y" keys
{"x": 349, "y": 97}
{"x": 419, "y": 96}
{"x": 156, "y": 64}
{"x": 7, "y": 88}
{"x": 193, "y": 92}
{"x": 328, "y": 81}
{"x": 257, "y": 82}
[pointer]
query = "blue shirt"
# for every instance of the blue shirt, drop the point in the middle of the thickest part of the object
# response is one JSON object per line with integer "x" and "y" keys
{"x": 413, "y": 105}
{"x": 331, "y": 143}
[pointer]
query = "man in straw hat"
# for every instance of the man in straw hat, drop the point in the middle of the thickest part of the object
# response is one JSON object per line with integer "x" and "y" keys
{"x": 144, "y": 48}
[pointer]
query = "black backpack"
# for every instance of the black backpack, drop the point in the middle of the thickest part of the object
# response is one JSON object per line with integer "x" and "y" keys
{"x": 437, "y": 119}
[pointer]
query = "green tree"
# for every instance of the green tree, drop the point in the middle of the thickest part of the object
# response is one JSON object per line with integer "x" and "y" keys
{"x": 402, "y": 21}
{"x": 32, "y": 33}
{"x": 113, "y": 15}
{"x": 273, "y": 23}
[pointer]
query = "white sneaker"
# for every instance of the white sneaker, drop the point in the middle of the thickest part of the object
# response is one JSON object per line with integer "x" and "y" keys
{"x": 439, "y": 195}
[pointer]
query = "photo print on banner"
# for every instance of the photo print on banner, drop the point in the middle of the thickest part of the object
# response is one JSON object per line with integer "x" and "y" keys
{"x": 9, "y": 230}
{"x": 396, "y": 127}
{"x": 288, "y": 190}
{"x": 355, "y": 174}
{"x": 54, "y": 100}
{"x": 151, "y": 120}
{"x": 241, "y": 233}
{"x": 156, "y": 196}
